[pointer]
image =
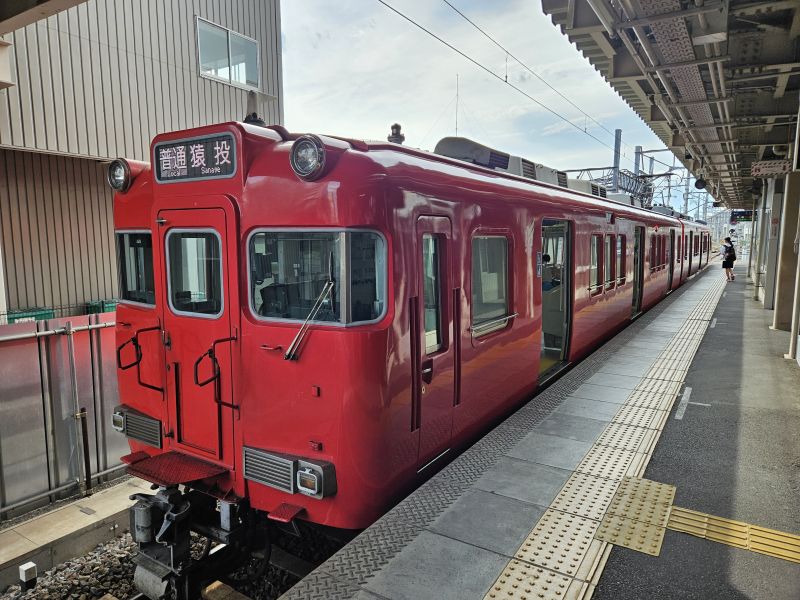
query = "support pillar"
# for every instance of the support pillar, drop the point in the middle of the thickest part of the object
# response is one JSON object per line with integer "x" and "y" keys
{"x": 766, "y": 192}
{"x": 787, "y": 254}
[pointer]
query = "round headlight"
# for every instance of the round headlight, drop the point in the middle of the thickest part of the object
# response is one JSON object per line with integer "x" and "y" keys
{"x": 119, "y": 175}
{"x": 308, "y": 157}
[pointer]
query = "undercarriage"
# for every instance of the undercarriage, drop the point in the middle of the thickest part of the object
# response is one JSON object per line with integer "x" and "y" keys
{"x": 162, "y": 524}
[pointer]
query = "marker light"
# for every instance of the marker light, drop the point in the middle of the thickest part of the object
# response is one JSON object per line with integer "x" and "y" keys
{"x": 118, "y": 421}
{"x": 307, "y": 481}
{"x": 119, "y": 175}
{"x": 308, "y": 157}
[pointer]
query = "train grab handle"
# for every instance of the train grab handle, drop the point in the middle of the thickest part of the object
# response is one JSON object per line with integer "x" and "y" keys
{"x": 137, "y": 348}
{"x": 211, "y": 353}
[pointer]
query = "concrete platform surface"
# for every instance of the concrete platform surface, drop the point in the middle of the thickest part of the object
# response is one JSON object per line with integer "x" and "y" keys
{"x": 67, "y": 531}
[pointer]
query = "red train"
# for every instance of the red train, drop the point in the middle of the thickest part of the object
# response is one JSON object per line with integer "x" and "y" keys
{"x": 307, "y": 323}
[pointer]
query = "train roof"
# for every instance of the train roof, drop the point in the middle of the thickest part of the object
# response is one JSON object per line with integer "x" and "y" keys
{"x": 434, "y": 161}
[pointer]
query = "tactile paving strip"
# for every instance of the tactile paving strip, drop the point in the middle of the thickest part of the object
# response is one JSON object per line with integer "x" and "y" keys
{"x": 643, "y": 500}
{"x": 636, "y": 535}
{"x": 778, "y": 544}
{"x": 652, "y": 400}
{"x": 585, "y": 496}
{"x": 658, "y": 386}
{"x": 610, "y": 463}
{"x": 521, "y": 581}
{"x": 640, "y": 416}
{"x": 626, "y": 437}
{"x": 563, "y": 543}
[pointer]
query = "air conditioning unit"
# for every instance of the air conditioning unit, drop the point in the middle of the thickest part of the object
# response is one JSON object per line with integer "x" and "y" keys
{"x": 471, "y": 151}
{"x": 587, "y": 187}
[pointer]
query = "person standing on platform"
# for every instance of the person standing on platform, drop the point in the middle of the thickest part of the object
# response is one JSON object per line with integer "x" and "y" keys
{"x": 728, "y": 254}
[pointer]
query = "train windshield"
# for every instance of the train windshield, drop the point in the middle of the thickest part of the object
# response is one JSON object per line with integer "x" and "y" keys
{"x": 289, "y": 269}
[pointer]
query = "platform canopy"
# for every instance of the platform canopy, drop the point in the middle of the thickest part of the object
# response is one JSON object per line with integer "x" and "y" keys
{"x": 716, "y": 80}
{"x": 15, "y": 14}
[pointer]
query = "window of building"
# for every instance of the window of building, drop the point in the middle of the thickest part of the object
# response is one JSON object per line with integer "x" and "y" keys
{"x": 595, "y": 274}
{"x": 621, "y": 259}
{"x": 135, "y": 258}
{"x": 430, "y": 292}
{"x": 608, "y": 262}
{"x": 289, "y": 270}
{"x": 194, "y": 265}
{"x": 489, "y": 284}
{"x": 227, "y": 55}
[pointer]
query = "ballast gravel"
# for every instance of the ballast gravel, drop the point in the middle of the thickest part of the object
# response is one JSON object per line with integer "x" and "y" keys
{"x": 108, "y": 569}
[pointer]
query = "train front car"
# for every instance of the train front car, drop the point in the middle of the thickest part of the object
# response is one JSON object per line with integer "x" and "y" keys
{"x": 254, "y": 344}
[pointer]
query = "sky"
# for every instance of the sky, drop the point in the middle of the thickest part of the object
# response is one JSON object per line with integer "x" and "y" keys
{"x": 352, "y": 68}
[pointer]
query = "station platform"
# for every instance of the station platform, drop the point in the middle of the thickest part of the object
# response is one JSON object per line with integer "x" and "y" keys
{"x": 665, "y": 465}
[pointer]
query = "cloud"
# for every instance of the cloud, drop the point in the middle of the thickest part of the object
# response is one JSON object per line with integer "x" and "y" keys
{"x": 355, "y": 68}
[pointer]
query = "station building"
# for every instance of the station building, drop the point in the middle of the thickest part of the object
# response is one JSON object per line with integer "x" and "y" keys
{"x": 81, "y": 86}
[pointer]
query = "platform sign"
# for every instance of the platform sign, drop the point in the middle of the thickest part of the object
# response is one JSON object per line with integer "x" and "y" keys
{"x": 739, "y": 216}
{"x": 207, "y": 157}
{"x": 766, "y": 168}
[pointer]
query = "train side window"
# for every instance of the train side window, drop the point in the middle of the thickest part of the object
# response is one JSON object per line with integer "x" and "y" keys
{"x": 431, "y": 284}
{"x": 608, "y": 262}
{"x": 194, "y": 267}
{"x": 135, "y": 263}
{"x": 595, "y": 274}
{"x": 685, "y": 249}
{"x": 621, "y": 259}
{"x": 489, "y": 284}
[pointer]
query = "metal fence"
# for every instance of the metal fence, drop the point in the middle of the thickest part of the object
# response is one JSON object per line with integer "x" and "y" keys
{"x": 58, "y": 388}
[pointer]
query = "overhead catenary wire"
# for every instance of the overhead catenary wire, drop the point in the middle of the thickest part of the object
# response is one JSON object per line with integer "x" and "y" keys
{"x": 495, "y": 75}
{"x": 535, "y": 74}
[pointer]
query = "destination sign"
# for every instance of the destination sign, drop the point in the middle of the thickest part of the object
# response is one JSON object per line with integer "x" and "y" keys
{"x": 209, "y": 157}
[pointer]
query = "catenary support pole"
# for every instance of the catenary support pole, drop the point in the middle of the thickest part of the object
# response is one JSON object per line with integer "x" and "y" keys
{"x": 617, "y": 150}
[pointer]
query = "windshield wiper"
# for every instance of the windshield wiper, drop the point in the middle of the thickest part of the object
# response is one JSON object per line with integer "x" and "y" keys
{"x": 294, "y": 347}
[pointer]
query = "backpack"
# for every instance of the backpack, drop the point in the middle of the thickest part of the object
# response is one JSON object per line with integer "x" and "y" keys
{"x": 730, "y": 253}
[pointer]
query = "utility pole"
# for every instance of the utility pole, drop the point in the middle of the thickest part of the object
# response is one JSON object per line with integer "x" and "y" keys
{"x": 686, "y": 193}
{"x": 637, "y": 161}
{"x": 456, "y": 103}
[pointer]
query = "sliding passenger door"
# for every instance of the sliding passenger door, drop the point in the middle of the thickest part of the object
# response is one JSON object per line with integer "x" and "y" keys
{"x": 638, "y": 270}
{"x": 433, "y": 360}
{"x": 556, "y": 283}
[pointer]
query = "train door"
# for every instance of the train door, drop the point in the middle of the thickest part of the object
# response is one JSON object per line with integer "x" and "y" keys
{"x": 435, "y": 355}
{"x": 671, "y": 259}
{"x": 691, "y": 251}
{"x": 638, "y": 270}
{"x": 556, "y": 301}
{"x": 198, "y": 330}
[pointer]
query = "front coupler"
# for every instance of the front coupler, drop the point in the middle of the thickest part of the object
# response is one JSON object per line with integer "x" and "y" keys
{"x": 162, "y": 523}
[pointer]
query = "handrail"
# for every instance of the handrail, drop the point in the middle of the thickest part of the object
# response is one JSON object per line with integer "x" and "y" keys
{"x": 60, "y": 331}
{"x": 487, "y": 324}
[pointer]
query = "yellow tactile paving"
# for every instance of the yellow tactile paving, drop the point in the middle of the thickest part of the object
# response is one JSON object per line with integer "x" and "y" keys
{"x": 586, "y": 496}
{"x": 563, "y": 543}
{"x": 521, "y": 581}
{"x": 641, "y": 416}
{"x": 610, "y": 463}
{"x": 736, "y": 533}
{"x": 652, "y": 400}
{"x": 626, "y": 437}
{"x": 636, "y": 535}
{"x": 643, "y": 500}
